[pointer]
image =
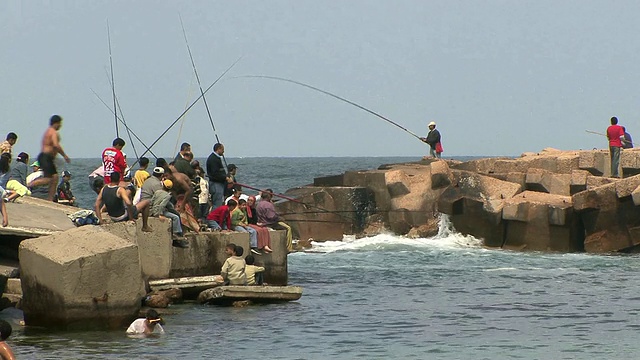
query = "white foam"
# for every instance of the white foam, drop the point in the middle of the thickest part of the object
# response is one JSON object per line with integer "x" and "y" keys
{"x": 446, "y": 239}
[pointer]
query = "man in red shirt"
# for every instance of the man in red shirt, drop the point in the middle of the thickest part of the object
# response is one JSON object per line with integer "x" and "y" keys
{"x": 614, "y": 133}
{"x": 220, "y": 217}
{"x": 113, "y": 160}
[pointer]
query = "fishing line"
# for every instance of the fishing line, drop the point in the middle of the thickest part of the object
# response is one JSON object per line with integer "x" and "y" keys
{"x": 123, "y": 123}
{"x": 188, "y": 108}
{"x": 113, "y": 87}
{"x": 330, "y": 94}
{"x": 204, "y": 99}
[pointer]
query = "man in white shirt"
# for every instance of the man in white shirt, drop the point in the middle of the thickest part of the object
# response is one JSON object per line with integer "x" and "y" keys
{"x": 147, "y": 326}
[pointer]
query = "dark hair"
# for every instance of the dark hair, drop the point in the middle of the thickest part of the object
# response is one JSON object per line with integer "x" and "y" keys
{"x": 118, "y": 141}
{"x": 266, "y": 195}
{"x": 152, "y": 314}
{"x": 242, "y": 201}
{"x": 217, "y": 146}
{"x": 249, "y": 259}
{"x": 5, "y": 330}
{"x": 624, "y": 129}
{"x": 188, "y": 155}
{"x": 239, "y": 250}
{"x": 12, "y": 136}
{"x": 161, "y": 162}
{"x": 614, "y": 120}
{"x": 237, "y": 187}
{"x": 231, "y": 246}
{"x": 23, "y": 157}
{"x": 144, "y": 161}
{"x": 5, "y": 159}
{"x": 231, "y": 167}
{"x": 232, "y": 203}
{"x": 185, "y": 146}
{"x": 55, "y": 119}
{"x": 115, "y": 176}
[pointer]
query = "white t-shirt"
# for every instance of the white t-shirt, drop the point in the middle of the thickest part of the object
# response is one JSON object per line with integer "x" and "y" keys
{"x": 137, "y": 328}
{"x": 203, "y": 198}
{"x": 34, "y": 175}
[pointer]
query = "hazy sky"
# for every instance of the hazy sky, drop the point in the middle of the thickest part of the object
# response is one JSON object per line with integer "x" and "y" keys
{"x": 499, "y": 77}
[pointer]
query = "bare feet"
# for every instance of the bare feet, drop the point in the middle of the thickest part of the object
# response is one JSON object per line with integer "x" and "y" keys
{"x": 147, "y": 229}
{"x": 267, "y": 249}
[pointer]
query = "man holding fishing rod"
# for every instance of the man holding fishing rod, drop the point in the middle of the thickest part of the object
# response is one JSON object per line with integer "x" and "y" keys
{"x": 615, "y": 134}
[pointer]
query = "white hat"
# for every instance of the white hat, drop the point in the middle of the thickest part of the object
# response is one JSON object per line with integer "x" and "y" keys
{"x": 433, "y": 123}
{"x": 158, "y": 170}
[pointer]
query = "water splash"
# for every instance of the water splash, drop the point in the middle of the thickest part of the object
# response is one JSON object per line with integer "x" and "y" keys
{"x": 446, "y": 239}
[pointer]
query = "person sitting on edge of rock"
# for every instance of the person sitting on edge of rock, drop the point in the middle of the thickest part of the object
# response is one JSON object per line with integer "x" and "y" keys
{"x": 96, "y": 179}
{"x": 627, "y": 141}
{"x": 17, "y": 178}
{"x": 237, "y": 194}
{"x": 141, "y": 175}
{"x": 5, "y": 350}
{"x": 263, "y": 236}
{"x": 7, "y": 145}
{"x": 64, "y": 194}
{"x": 150, "y": 186}
{"x": 267, "y": 216}
{"x": 161, "y": 206}
{"x": 3, "y": 208}
{"x": 239, "y": 223}
{"x": 255, "y": 274}
{"x": 149, "y": 325}
{"x": 233, "y": 268}
{"x": 115, "y": 199}
{"x": 220, "y": 217}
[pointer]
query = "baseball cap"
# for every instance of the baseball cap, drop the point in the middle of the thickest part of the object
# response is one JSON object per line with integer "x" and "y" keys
{"x": 36, "y": 163}
{"x": 167, "y": 183}
{"x": 432, "y": 123}
{"x": 158, "y": 170}
{"x": 66, "y": 173}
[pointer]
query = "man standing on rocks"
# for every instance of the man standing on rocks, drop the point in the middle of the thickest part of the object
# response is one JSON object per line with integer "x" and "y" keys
{"x": 433, "y": 139}
{"x": 113, "y": 160}
{"x": 615, "y": 134}
{"x": 50, "y": 149}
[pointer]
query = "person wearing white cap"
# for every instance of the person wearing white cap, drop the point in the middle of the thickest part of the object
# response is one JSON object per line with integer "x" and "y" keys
{"x": 433, "y": 139}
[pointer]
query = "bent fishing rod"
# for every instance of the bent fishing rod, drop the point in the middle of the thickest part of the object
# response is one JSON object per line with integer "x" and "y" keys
{"x": 204, "y": 99}
{"x": 123, "y": 123}
{"x": 188, "y": 108}
{"x": 605, "y": 135}
{"x": 297, "y": 201}
{"x": 332, "y": 95}
{"x": 113, "y": 87}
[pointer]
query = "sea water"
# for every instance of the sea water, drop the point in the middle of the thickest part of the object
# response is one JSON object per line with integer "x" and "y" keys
{"x": 387, "y": 297}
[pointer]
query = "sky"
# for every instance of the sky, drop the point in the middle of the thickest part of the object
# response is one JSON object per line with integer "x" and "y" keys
{"x": 498, "y": 77}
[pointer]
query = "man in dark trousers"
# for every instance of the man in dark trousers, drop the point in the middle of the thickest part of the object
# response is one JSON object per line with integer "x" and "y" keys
{"x": 615, "y": 134}
{"x": 433, "y": 139}
{"x": 218, "y": 178}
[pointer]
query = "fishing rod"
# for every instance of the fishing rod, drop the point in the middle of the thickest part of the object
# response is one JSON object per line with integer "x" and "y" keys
{"x": 298, "y": 201}
{"x": 133, "y": 145}
{"x": 113, "y": 87}
{"x": 599, "y": 133}
{"x": 204, "y": 99}
{"x": 188, "y": 108}
{"x": 123, "y": 123}
{"x": 332, "y": 95}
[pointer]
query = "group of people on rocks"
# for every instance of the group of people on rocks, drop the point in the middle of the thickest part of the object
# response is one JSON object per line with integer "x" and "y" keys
{"x": 181, "y": 192}
{"x": 200, "y": 199}
{"x": 43, "y": 180}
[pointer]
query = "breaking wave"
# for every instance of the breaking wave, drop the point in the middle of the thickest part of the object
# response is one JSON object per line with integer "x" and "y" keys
{"x": 446, "y": 239}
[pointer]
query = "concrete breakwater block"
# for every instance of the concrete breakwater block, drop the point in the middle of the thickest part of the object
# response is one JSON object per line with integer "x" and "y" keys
{"x": 225, "y": 295}
{"x": 84, "y": 278}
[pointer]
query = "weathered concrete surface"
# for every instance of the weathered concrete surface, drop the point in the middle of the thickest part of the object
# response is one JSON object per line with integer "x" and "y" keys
{"x": 259, "y": 294}
{"x": 610, "y": 217}
{"x": 541, "y": 221}
{"x": 155, "y": 249}
{"x": 345, "y": 208}
{"x": 190, "y": 286}
{"x": 82, "y": 278}
{"x": 474, "y": 203}
{"x": 31, "y": 217}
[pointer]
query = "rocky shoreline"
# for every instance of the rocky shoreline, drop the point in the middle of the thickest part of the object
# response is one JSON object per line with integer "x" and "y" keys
{"x": 548, "y": 201}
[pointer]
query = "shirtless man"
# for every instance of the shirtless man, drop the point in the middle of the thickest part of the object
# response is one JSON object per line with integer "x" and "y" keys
{"x": 50, "y": 149}
{"x": 181, "y": 187}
